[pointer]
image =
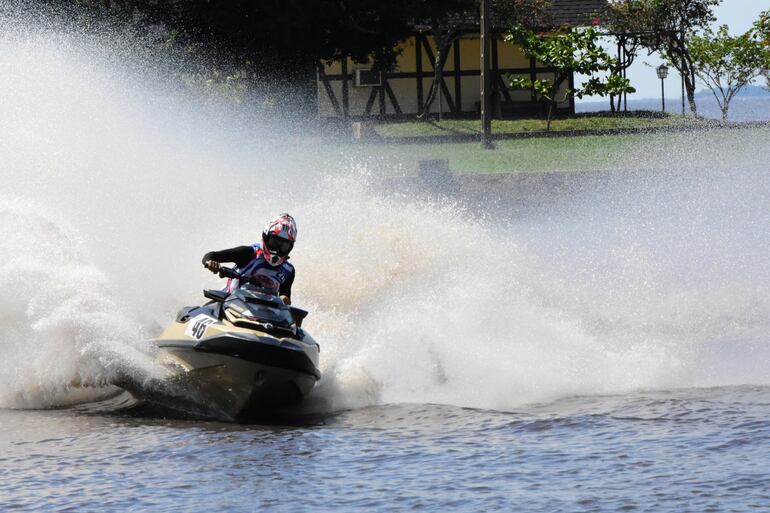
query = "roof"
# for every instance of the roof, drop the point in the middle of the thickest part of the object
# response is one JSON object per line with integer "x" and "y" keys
{"x": 561, "y": 12}
{"x": 576, "y": 12}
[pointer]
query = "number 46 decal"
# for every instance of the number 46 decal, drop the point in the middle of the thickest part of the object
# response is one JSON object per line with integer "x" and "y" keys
{"x": 197, "y": 326}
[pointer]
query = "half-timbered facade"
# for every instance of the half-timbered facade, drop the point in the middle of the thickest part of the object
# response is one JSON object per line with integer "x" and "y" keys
{"x": 350, "y": 90}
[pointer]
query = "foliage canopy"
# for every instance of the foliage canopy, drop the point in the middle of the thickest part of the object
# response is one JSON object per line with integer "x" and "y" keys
{"x": 726, "y": 64}
{"x": 761, "y": 32}
{"x": 567, "y": 51}
{"x": 664, "y": 26}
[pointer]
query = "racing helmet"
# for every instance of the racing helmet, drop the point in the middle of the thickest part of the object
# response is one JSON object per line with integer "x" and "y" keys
{"x": 278, "y": 239}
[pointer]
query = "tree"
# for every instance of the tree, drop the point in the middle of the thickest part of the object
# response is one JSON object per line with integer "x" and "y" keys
{"x": 567, "y": 51}
{"x": 666, "y": 26}
{"x": 447, "y": 26}
{"x": 761, "y": 33}
{"x": 726, "y": 64}
{"x": 281, "y": 42}
{"x": 620, "y": 23}
{"x": 312, "y": 29}
{"x": 270, "y": 31}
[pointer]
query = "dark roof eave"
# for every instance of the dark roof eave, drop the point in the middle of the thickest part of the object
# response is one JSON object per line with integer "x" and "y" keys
{"x": 574, "y": 13}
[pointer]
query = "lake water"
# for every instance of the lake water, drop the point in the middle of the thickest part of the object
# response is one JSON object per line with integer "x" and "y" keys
{"x": 684, "y": 450}
{"x": 750, "y": 108}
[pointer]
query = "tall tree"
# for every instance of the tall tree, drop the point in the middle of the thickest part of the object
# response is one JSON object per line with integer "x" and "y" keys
{"x": 270, "y": 30}
{"x": 666, "y": 26}
{"x": 620, "y": 24}
{"x": 282, "y": 41}
{"x": 726, "y": 64}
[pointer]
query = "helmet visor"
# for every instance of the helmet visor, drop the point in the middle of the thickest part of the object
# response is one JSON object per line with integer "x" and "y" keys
{"x": 278, "y": 245}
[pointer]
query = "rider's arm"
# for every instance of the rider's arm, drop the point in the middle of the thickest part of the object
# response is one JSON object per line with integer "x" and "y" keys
{"x": 240, "y": 256}
{"x": 285, "y": 289}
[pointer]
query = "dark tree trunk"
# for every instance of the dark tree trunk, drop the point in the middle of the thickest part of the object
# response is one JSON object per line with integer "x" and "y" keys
{"x": 444, "y": 40}
{"x": 627, "y": 50}
{"x": 551, "y": 108}
{"x": 553, "y": 101}
{"x": 679, "y": 55}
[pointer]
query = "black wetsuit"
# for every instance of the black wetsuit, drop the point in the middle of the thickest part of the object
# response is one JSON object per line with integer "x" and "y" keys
{"x": 250, "y": 261}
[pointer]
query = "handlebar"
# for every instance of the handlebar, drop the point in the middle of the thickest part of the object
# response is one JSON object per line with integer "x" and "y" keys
{"x": 228, "y": 272}
{"x": 224, "y": 272}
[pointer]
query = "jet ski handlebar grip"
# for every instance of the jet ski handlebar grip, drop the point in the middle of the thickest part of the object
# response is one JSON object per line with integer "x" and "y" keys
{"x": 226, "y": 272}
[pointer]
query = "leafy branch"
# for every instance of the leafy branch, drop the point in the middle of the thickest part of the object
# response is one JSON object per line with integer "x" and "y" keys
{"x": 567, "y": 51}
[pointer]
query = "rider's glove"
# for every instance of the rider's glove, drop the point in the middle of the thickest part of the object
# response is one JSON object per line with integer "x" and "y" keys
{"x": 212, "y": 266}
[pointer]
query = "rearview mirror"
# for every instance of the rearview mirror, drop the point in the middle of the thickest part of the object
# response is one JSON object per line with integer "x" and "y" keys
{"x": 215, "y": 295}
{"x": 298, "y": 314}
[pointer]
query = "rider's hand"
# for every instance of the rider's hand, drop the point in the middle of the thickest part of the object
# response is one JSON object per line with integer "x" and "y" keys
{"x": 212, "y": 266}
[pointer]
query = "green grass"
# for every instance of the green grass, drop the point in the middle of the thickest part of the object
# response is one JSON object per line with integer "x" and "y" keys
{"x": 513, "y": 155}
{"x": 616, "y": 151}
{"x": 514, "y": 126}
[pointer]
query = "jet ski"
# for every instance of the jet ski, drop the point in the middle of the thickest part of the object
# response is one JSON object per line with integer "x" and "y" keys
{"x": 240, "y": 356}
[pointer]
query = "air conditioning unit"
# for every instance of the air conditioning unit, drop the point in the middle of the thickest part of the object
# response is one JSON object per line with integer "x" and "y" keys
{"x": 367, "y": 78}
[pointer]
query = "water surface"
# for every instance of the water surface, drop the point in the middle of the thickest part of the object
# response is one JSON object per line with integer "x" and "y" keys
{"x": 678, "y": 450}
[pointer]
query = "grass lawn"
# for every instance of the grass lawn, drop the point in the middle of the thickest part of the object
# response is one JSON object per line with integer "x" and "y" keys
{"x": 622, "y": 151}
{"x": 507, "y": 156}
{"x": 513, "y": 126}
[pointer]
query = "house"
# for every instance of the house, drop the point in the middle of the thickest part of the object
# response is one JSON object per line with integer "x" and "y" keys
{"x": 350, "y": 90}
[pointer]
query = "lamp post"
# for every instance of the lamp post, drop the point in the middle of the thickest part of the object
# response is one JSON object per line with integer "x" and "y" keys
{"x": 662, "y": 71}
{"x": 486, "y": 82}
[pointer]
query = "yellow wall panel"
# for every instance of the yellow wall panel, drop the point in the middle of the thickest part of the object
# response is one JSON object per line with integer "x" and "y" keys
{"x": 449, "y": 66}
{"x": 426, "y": 84}
{"x": 406, "y": 61}
{"x": 450, "y": 84}
{"x": 470, "y": 50}
{"x": 427, "y": 62}
{"x": 471, "y": 87}
{"x": 333, "y": 68}
{"x": 511, "y": 56}
{"x": 405, "y": 90}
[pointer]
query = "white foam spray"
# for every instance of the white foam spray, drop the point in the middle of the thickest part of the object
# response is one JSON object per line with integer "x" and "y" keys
{"x": 64, "y": 337}
{"x": 113, "y": 187}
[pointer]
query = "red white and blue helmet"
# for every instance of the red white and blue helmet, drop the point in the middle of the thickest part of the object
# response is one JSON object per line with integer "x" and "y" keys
{"x": 278, "y": 239}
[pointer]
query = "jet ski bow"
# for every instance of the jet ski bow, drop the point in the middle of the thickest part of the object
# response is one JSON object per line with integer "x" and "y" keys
{"x": 239, "y": 356}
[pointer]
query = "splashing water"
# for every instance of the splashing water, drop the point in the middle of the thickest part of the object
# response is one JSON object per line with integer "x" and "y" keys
{"x": 112, "y": 188}
{"x": 64, "y": 337}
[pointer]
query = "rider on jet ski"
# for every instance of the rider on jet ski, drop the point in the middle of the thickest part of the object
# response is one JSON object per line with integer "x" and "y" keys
{"x": 267, "y": 262}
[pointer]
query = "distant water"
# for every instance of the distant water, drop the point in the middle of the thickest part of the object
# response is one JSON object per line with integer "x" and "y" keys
{"x": 690, "y": 450}
{"x": 753, "y": 108}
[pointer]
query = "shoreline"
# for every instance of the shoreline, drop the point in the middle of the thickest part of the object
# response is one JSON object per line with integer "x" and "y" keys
{"x": 476, "y": 137}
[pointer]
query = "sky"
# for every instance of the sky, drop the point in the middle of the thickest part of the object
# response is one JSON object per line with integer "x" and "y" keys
{"x": 739, "y": 15}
